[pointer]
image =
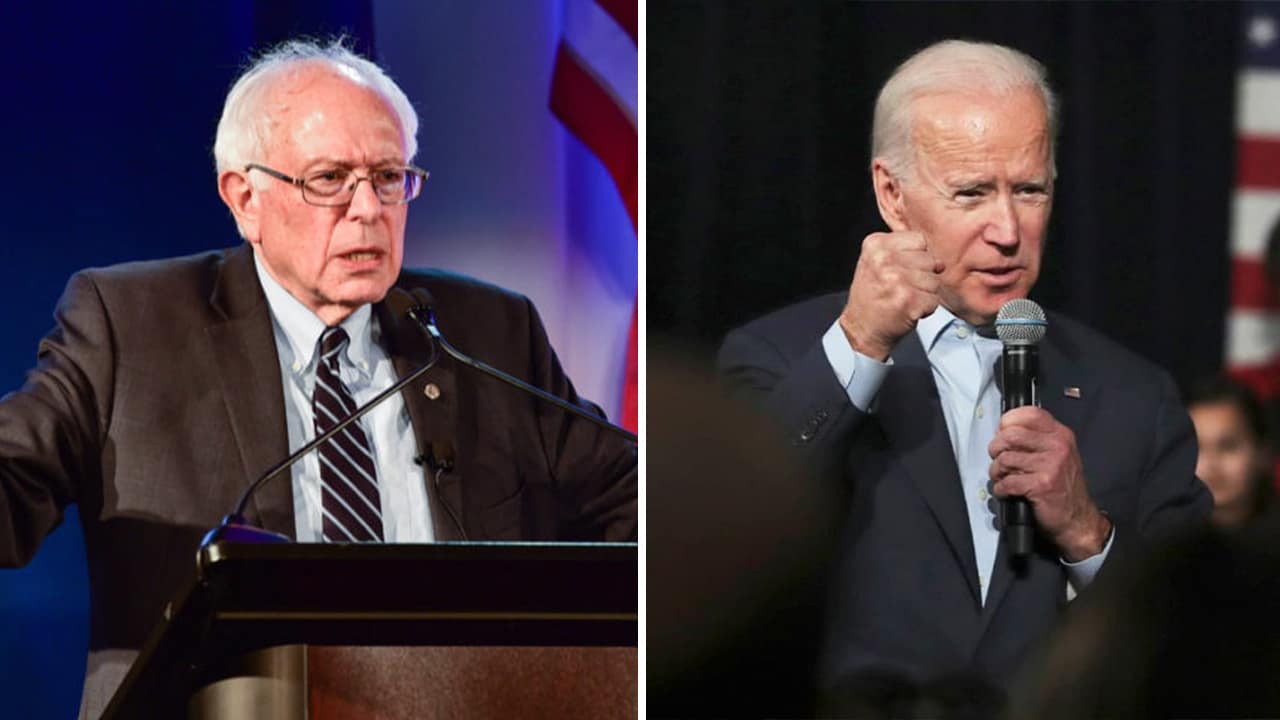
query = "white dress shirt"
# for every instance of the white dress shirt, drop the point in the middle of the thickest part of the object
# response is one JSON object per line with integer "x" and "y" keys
{"x": 365, "y": 370}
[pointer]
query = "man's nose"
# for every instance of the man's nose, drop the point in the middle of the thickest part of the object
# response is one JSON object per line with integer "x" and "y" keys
{"x": 365, "y": 205}
{"x": 1002, "y": 225}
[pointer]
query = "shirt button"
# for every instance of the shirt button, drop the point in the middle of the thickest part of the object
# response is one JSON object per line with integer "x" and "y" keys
{"x": 296, "y": 367}
{"x": 978, "y": 412}
{"x": 962, "y": 332}
{"x": 982, "y": 494}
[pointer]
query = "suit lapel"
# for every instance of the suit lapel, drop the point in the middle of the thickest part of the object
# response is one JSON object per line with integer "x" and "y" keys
{"x": 1065, "y": 391}
{"x": 1068, "y": 390}
{"x": 911, "y": 415}
{"x": 432, "y": 402}
{"x": 249, "y": 374}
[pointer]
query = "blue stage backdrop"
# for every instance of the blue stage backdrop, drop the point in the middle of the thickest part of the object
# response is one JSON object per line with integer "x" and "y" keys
{"x": 109, "y": 119}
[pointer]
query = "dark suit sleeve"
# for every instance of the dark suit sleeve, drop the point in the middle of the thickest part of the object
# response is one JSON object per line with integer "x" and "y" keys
{"x": 1175, "y": 497}
{"x": 595, "y": 472}
{"x": 1171, "y": 499}
{"x": 800, "y": 393}
{"x": 51, "y": 429}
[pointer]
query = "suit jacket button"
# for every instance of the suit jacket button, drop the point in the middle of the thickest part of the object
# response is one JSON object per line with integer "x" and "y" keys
{"x": 431, "y": 390}
{"x": 810, "y": 429}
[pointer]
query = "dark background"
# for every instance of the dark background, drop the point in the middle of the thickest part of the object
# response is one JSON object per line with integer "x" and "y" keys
{"x": 759, "y": 116}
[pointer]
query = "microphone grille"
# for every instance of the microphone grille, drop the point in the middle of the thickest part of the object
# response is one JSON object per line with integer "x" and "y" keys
{"x": 1021, "y": 322}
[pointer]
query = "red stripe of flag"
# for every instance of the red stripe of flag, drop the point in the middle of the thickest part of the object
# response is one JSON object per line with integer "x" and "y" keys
{"x": 593, "y": 116}
{"x": 1251, "y": 289}
{"x": 624, "y": 12}
{"x": 631, "y": 381}
{"x": 1264, "y": 379}
{"x": 590, "y": 113}
{"x": 1257, "y": 162}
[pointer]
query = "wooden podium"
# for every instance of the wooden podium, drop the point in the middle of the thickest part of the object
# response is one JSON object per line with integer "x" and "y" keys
{"x": 394, "y": 631}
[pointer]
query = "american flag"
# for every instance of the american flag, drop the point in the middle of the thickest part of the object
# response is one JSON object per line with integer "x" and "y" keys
{"x": 1253, "y": 320}
{"x": 594, "y": 92}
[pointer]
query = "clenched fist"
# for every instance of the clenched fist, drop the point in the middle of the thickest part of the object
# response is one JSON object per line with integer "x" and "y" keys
{"x": 894, "y": 285}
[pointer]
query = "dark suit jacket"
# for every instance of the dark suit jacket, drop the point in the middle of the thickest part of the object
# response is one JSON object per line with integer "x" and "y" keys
{"x": 905, "y": 595}
{"x": 157, "y": 398}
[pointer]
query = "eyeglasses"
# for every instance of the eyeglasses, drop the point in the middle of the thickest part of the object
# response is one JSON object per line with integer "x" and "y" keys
{"x": 335, "y": 187}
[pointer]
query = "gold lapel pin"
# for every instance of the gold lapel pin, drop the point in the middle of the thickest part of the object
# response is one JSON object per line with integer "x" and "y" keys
{"x": 1071, "y": 392}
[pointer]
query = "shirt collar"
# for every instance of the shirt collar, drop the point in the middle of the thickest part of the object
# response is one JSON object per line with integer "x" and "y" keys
{"x": 932, "y": 325}
{"x": 302, "y": 328}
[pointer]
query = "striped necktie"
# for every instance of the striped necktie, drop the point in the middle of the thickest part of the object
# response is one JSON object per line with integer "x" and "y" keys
{"x": 348, "y": 474}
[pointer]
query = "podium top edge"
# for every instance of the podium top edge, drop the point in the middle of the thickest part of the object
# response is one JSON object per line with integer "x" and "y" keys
{"x": 222, "y": 552}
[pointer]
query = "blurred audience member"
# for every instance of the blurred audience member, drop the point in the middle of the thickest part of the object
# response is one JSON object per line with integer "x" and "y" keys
{"x": 738, "y": 541}
{"x": 1235, "y": 457}
{"x": 1188, "y": 630}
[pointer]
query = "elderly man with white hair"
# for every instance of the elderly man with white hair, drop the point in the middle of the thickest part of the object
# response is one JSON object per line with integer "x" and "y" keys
{"x": 168, "y": 386}
{"x": 891, "y": 390}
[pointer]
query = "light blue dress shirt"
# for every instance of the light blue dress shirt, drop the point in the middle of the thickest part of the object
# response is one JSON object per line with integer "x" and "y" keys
{"x": 963, "y": 364}
{"x": 366, "y": 371}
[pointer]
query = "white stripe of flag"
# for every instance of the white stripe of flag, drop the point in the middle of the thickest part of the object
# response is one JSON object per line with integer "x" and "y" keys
{"x": 1253, "y": 335}
{"x": 606, "y": 51}
{"x": 1259, "y": 93}
{"x": 1253, "y": 213}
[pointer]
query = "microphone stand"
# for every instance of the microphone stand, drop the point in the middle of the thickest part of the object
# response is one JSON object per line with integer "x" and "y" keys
{"x": 424, "y": 316}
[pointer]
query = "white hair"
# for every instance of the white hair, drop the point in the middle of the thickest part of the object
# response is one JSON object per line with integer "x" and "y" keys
{"x": 952, "y": 66}
{"x": 244, "y": 129}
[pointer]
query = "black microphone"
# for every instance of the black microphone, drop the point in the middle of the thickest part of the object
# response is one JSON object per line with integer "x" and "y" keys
{"x": 438, "y": 460}
{"x": 234, "y": 527}
{"x": 1020, "y": 325}
{"x": 424, "y": 314}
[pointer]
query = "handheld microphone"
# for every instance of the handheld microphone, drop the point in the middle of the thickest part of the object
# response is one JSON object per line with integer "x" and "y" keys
{"x": 234, "y": 527}
{"x": 424, "y": 315}
{"x": 1021, "y": 326}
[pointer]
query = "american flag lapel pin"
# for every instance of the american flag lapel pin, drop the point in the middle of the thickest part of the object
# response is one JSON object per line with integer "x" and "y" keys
{"x": 1071, "y": 391}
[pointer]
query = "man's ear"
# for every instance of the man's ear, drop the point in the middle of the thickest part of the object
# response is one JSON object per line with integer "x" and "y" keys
{"x": 888, "y": 189}
{"x": 244, "y": 201}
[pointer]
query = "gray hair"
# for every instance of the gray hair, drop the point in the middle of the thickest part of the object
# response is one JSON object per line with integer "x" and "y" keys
{"x": 244, "y": 130}
{"x": 949, "y": 66}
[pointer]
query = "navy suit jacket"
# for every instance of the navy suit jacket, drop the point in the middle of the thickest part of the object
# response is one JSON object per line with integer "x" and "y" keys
{"x": 904, "y": 596}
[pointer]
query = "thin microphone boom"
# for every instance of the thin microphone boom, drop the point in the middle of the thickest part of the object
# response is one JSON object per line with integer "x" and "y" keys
{"x": 424, "y": 316}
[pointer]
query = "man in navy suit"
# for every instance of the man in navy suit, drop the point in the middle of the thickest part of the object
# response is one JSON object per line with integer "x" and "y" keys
{"x": 890, "y": 389}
